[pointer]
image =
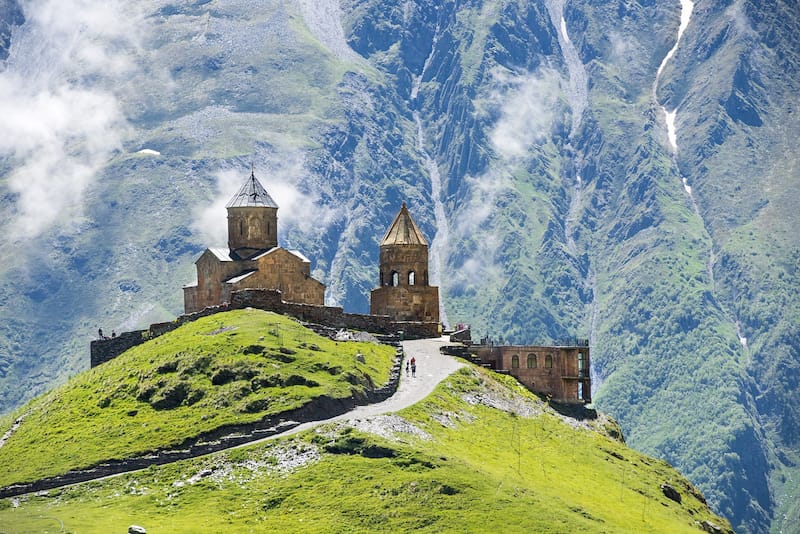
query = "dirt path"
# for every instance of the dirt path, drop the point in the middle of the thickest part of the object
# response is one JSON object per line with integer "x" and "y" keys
{"x": 432, "y": 368}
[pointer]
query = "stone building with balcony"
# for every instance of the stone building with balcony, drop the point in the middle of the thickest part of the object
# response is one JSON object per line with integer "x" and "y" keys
{"x": 559, "y": 372}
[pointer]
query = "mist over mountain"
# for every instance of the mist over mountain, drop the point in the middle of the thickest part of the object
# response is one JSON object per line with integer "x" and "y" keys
{"x": 577, "y": 168}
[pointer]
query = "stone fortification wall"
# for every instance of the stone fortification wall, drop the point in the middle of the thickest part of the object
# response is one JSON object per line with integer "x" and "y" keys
{"x": 103, "y": 350}
{"x": 267, "y": 299}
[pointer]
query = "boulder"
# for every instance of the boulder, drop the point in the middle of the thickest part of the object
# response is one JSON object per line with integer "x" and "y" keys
{"x": 671, "y": 493}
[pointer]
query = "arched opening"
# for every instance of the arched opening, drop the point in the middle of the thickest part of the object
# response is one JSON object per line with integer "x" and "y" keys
{"x": 531, "y": 361}
{"x": 241, "y": 227}
{"x": 395, "y": 279}
{"x": 411, "y": 278}
{"x": 381, "y": 278}
{"x": 581, "y": 364}
{"x": 515, "y": 362}
{"x": 548, "y": 361}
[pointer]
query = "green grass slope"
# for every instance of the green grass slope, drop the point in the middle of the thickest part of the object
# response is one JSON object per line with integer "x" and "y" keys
{"x": 229, "y": 368}
{"x": 481, "y": 454}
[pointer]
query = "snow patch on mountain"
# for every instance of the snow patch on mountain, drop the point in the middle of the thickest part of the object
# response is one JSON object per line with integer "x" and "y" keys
{"x": 687, "y": 6}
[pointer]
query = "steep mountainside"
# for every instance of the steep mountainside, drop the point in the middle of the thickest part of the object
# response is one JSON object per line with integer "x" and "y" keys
{"x": 429, "y": 468}
{"x": 578, "y": 168}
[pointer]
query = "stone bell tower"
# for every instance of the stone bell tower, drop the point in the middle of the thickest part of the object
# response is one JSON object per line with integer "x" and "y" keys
{"x": 252, "y": 220}
{"x": 404, "y": 293}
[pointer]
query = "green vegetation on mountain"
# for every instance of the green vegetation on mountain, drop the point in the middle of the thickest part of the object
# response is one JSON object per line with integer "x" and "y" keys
{"x": 481, "y": 454}
{"x": 680, "y": 266}
{"x": 225, "y": 369}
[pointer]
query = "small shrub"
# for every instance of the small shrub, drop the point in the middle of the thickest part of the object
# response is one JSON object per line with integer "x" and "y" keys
{"x": 446, "y": 489}
{"x": 256, "y": 405}
{"x": 223, "y": 376}
{"x": 330, "y": 369}
{"x": 168, "y": 367}
{"x": 356, "y": 445}
{"x": 171, "y": 396}
{"x": 195, "y": 396}
{"x": 298, "y": 380}
{"x": 226, "y": 374}
{"x": 241, "y": 391}
{"x": 284, "y": 358}
{"x": 353, "y": 379}
{"x": 272, "y": 381}
{"x": 145, "y": 392}
{"x": 196, "y": 365}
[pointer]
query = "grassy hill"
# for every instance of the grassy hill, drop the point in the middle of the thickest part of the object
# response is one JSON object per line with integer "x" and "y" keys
{"x": 226, "y": 369}
{"x": 541, "y": 173}
{"x": 481, "y": 454}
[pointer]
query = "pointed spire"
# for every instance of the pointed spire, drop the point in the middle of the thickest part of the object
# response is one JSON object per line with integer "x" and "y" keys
{"x": 252, "y": 194}
{"x": 403, "y": 231}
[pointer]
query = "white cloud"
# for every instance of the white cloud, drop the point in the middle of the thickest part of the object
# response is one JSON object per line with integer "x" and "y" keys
{"x": 210, "y": 222}
{"x": 475, "y": 218}
{"x": 299, "y": 210}
{"x": 281, "y": 175}
{"x": 622, "y": 49}
{"x": 527, "y": 108}
{"x": 736, "y": 13}
{"x": 61, "y": 120}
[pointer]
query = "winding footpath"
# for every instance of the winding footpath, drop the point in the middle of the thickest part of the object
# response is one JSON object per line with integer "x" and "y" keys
{"x": 432, "y": 368}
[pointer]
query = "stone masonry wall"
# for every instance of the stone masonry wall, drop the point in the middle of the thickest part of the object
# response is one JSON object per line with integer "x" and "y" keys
{"x": 103, "y": 350}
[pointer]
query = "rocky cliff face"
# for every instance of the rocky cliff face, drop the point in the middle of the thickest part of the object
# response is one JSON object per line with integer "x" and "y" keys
{"x": 574, "y": 170}
{"x": 10, "y": 17}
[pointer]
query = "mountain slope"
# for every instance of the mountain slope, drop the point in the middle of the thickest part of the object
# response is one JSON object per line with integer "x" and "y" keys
{"x": 220, "y": 372}
{"x": 531, "y": 142}
{"x": 479, "y": 454}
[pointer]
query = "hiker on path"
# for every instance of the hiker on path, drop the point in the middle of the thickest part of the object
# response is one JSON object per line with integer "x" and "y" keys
{"x": 408, "y": 368}
{"x": 413, "y": 366}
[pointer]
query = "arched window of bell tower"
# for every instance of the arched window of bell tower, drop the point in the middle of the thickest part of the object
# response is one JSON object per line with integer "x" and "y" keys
{"x": 395, "y": 279}
{"x": 411, "y": 278}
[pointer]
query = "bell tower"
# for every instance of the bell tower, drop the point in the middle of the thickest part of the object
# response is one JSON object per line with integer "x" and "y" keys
{"x": 404, "y": 293}
{"x": 252, "y": 220}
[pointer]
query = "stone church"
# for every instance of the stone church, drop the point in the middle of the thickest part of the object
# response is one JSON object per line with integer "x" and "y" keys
{"x": 404, "y": 293}
{"x": 253, "y": 258}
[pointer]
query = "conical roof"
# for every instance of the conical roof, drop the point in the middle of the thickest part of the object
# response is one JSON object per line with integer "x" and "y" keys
{"x": 403, "y": 231}
{"x": 252, "y": 195}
